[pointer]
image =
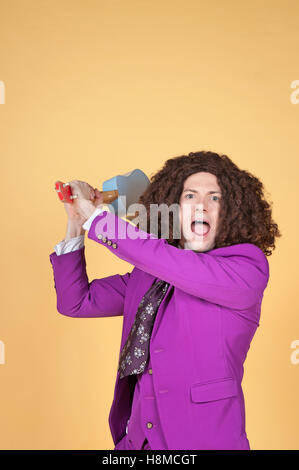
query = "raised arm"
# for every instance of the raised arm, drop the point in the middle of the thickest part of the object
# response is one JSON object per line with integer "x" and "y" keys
{"x": 233, "y": 276}
{"x": 77, "y": 297}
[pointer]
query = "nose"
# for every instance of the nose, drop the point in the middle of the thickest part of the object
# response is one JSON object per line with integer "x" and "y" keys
{"x": 200, "y": 208}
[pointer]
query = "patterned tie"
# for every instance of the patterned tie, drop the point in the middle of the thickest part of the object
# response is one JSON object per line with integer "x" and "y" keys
{"x": 134, "y": 355}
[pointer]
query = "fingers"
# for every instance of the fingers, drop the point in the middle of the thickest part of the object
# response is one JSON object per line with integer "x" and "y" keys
{"x": 82, "y": 190}
{"x": 93, "y": 194}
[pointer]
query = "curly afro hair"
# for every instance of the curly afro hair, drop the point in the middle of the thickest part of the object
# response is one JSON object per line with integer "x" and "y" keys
{"x": 245, "y": 215}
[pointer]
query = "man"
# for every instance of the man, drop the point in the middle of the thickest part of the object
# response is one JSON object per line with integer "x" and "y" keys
{"x": 187, "y": 393}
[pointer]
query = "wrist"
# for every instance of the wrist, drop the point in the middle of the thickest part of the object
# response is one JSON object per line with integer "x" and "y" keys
{"x": 73, "y": 230}
{"x": 87, "y": 208}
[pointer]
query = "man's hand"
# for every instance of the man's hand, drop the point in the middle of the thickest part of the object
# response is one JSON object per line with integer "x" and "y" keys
{"x": 87, "y": 200}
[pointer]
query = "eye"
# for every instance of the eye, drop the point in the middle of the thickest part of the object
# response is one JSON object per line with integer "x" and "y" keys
{"x": 216, "y": 197}
{"x": 188, "y": 195}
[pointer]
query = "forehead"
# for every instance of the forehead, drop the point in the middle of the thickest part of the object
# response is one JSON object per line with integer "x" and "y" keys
{"x": 202, "y": 180}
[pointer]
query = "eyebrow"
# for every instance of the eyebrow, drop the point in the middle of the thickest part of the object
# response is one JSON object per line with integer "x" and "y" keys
{"x": 194, "y": 191}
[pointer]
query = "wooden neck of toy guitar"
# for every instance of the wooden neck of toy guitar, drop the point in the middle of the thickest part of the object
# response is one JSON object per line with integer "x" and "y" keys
{"x": 109, "y": 196}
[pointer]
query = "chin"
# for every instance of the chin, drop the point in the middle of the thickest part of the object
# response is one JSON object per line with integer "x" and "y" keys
{"x": 197, "y": 245}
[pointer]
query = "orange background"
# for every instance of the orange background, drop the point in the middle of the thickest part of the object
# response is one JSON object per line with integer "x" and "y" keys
{"x": 94, "y": 89}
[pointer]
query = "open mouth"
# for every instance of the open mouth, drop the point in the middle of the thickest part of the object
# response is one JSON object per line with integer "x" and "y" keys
{"x": 200, "y": 228}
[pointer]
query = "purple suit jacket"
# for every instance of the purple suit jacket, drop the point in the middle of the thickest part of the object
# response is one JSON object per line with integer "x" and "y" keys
{"x": 201, "y": 335}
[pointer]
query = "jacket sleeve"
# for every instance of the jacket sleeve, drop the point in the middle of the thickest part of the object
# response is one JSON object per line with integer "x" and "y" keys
{"x": 77, "y": 297}
{"x": 233, "y": 277}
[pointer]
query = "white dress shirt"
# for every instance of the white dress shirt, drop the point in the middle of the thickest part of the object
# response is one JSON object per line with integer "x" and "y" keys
{"x": 75, "y": 243}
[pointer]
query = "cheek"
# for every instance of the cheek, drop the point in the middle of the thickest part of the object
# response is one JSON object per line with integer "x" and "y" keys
{"x": 216, "y": 224}
{"x": 185, "y": 210}
{"x": 182, "y": 214}
{"x": 216, "y": 215}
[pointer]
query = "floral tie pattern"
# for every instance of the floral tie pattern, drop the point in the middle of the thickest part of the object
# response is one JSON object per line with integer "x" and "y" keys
{"x": 134, "y": 355}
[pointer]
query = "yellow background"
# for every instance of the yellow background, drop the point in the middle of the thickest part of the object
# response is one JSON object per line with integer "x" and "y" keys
{"x": 97, "y": 88}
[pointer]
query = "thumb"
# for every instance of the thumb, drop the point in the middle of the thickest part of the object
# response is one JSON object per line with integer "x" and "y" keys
{"x": 98, "y": 197}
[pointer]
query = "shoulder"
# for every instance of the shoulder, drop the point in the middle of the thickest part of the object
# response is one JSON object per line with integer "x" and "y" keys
{"x": 245, "y": 251}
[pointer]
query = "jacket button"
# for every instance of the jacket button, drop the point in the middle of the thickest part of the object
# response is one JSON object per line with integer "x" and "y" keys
{"x": 109, "y": 242}
{"x": 149, "y": 425}
{"x": 104, "y": 239}
{"x": 150, "y": 371}
{"x": 114, "y": 245}
{"x": 100, "y": 236}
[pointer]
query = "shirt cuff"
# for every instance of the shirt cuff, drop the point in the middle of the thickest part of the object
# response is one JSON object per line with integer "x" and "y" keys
{"x": 88, "y": 222}
{"x": 66, "y": 246}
